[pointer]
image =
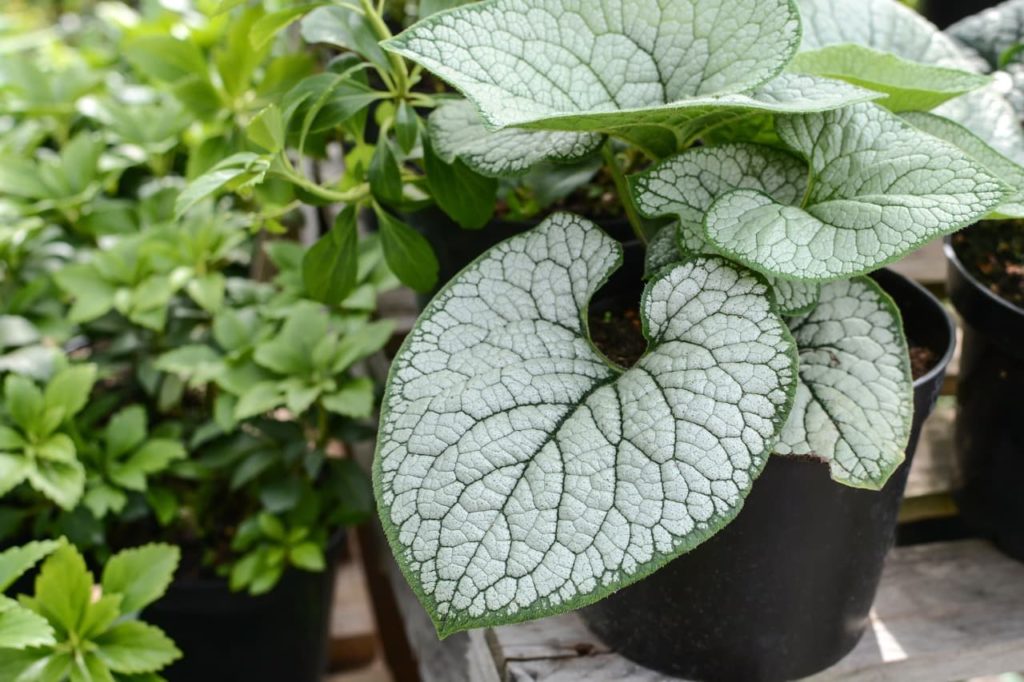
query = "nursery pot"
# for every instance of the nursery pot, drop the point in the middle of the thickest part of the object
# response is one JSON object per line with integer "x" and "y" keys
{"x": 989, "y": 436}
{"x": 784, "y": 590}
{"x": 230, "y": 636}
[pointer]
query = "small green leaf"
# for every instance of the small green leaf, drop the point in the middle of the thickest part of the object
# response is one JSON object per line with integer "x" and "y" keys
{"x": 269, "y": 25}
{"x": 331, "y": 266}
{"x": 93, "y": 297}
{"x": 14, "y": 562}
{"x": 307, "y": 556}
{"x": 408, "y": 253}
{"x": 385, "y": 176}
{"x": 125, "y": 431}
{"x": 407, "y": 126}
{"x": 207, "y": 291}
{"x": 140, "y": 575}
{"x": 261, "y": 398}
{"x": 70, "y": 388}
{"x": 24, "y": 402}
{"x": 267, "y": 129}
{"x": 64, "y": 588}
{"x": 164, "y": 58}
{"x": 57, "y": 473}
{"x": 910, "y": 86}
{"x": 353, "y": 399}
{"x": 271, "y": 526}
{"x": 244, "y": 165}
{"x": 466, "y": 196}
{"x": 344, "y": 28}
{"x": 21, "y": 628}
{"x": 132, "y": 647}
{"x": 100, "y": 615}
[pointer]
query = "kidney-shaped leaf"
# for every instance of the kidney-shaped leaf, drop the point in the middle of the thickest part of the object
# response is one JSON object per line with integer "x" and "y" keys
{"x": 520, "y": 474}
{"x": 854, "y": 401}
{"x": 458, "y": 132}
{"x": 879, "y": 188}
{"x": 687, "y": 185}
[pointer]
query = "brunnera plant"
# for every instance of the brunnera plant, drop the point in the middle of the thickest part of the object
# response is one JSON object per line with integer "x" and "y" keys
{"x": 792, "y": 148}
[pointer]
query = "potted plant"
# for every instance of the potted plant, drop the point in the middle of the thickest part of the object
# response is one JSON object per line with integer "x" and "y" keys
{"x": 199, "y": 390}
{"x": 737, "y": 474}
{"x": 986, "y": 285}
{"x": 71, "y": 628}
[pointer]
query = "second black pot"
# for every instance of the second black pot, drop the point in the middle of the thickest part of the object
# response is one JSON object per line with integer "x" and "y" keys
{"x": 225, "y": 636}
{"x": 989, "y": 436}
{"x": 784, "y": 590}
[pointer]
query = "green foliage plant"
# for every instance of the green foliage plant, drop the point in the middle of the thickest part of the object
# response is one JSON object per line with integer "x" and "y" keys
{"x": 793, "y": 147}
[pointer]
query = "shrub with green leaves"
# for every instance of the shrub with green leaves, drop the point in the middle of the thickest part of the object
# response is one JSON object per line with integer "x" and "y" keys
{"x": 72, "y": 628}
{"x": 792, "y": 148}
{"x": 167, "y": 369}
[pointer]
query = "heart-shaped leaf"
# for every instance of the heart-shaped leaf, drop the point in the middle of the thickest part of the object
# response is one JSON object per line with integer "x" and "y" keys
{"x": 1009, "y": 172}
{"x": 519, "y": 473}
{"x": 458, "y": 132}
{"x": 879, "y": 188}
{"x": 688, "y": 184}
{"x": 653, "y": 72}
{"x": 854, "y": 401}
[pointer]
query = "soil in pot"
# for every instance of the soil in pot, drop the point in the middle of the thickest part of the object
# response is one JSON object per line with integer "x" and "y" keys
{"x": 986, "y": 284}
{"x": 784, "y": 590}
{"x": 234, "y": 637}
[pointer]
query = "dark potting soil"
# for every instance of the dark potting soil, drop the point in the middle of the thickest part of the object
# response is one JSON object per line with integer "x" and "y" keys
{"x": 618, "y": 334}
{"x": 994, "y": 253}
{"x": 922, "y": 360}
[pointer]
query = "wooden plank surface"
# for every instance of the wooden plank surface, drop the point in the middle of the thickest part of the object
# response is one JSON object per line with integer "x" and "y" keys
{"x": 944, "y": 612}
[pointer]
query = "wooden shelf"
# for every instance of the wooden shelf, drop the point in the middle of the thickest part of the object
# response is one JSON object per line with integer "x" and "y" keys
{"x": 944, "y": 612}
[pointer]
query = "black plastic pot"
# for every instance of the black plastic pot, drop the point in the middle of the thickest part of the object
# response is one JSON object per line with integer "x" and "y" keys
{"x": 989, "y": 438}
{"x": 785, "y": 589}
{"x": 234, "y": 637}
{"x": 943, "y": 13}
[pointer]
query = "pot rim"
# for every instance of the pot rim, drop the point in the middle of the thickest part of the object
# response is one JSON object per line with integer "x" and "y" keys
{"x": 947, "y": 356}
{"x": 952, "y": 257}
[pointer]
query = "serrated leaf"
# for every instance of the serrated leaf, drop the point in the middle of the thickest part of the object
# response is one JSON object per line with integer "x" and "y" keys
{"x": 23, "y": 401}
{"x": 140, "y": 575}
{"x": 70, "y": 388}
{"x": 14, "y": 562}
{"x": 135, "y": 647}
{"x": 307, "y": 556}
{"x": 21, "y": 628}
{"x": 353, "y": 399}
{"x": 519, "y": 474}
{"x": 998, "y": 165}
{"x": 854, "y": 401}
{"x": 232, "y": 169}
{"x": 458, "y": 132}
{"x": 910, "y": 86}
{"x": 207, "y": 291}
{"x": 57, "y": 473}
{"x": 261, "y": 398}
{"x": 686, "y": 186}
{"x": 64, "y": 588}
{"x": 879, "y": 188}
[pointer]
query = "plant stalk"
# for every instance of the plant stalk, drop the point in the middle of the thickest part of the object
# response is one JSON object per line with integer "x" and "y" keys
{"x": 622, "y": 187}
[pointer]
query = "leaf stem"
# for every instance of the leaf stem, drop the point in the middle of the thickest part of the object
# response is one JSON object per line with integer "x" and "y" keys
{"x": 398, "y": 65}
{"x": 622, "y": 187}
